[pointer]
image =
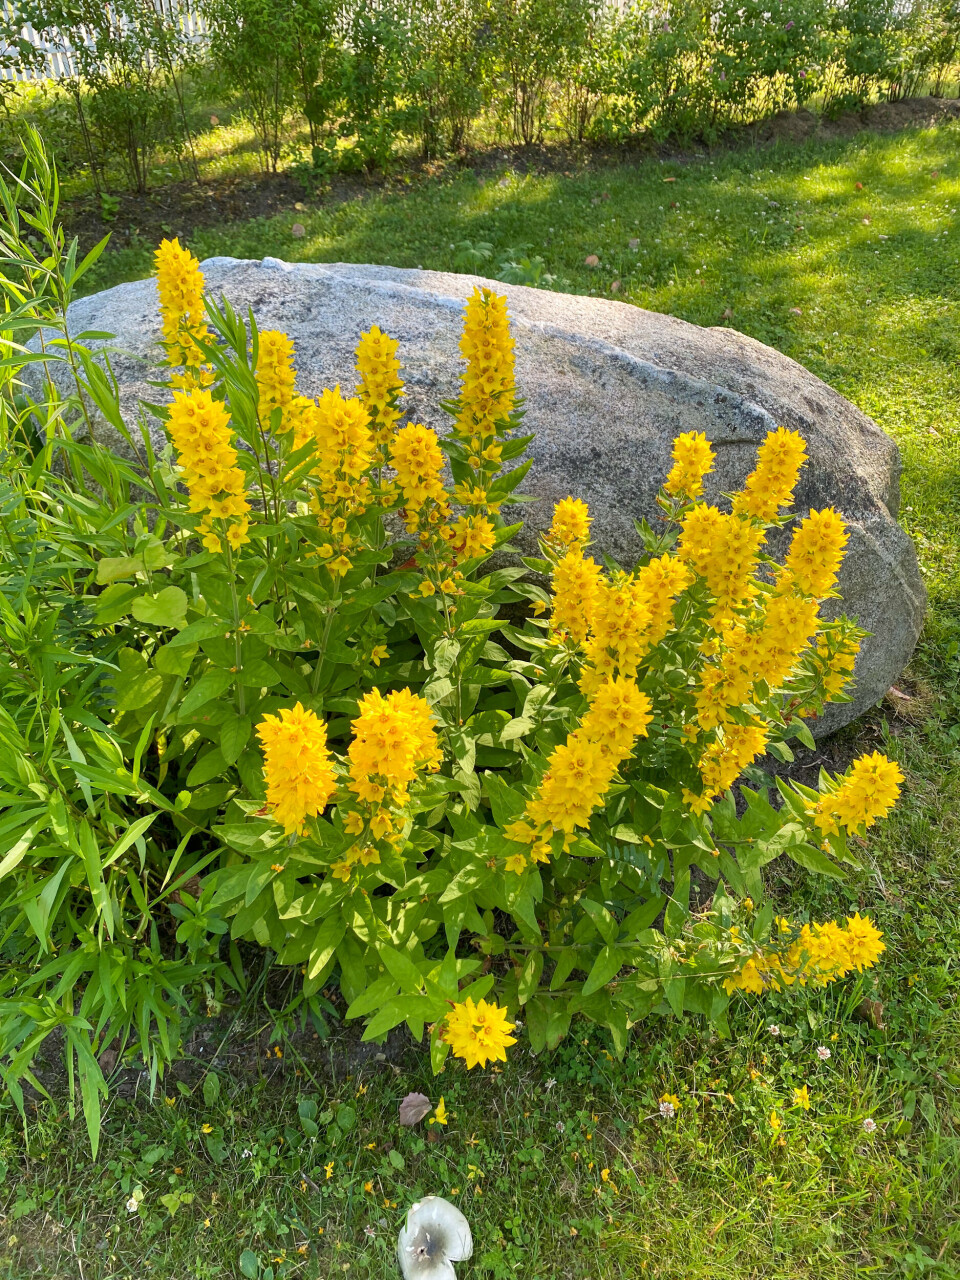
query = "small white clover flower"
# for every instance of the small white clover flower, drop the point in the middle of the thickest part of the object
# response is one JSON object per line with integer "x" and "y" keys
{"x": 560, "y": 1126}
{"x": 133, "y": 1204}
{"x": 667, "y": 1110}
{"x": 773, "y": 1029}
{"x": 434, "y": 1237}
{"x": 246, "y": 1153}
{"x": 869, "y": 1126}
{"x": 823, "y": 1053}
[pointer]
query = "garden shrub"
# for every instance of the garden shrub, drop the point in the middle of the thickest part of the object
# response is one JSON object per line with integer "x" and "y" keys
{"x": 447, "y": 70}
{"x": 267, "y": 687}
{"x": 254, "y": 50}
{"x": 129, "y": 59}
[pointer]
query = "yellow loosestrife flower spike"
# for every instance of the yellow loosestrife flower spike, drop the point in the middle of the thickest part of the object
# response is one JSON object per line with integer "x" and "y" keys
{"x": 570, "y": 528}
{"x": 771, "y": 484}
{"x": 722, "y": 549}
{"x": 199, "y": 427}
{"x": 182, "y": 315}
{"x": 820, "y": 953}
{"x": 816, "y": 551}
{"x": 478, "y": 1033}
{"x": 417, "y": 458}
{"x": 297, "y": 767}
{"x": 275, "y": 376}
{"x": 692, "y": 460}
{"x": 380, "y": 385}
{"x": 576, "y": 584}
{"x": 868, "y": 791}
{"x": 488, "y": 387}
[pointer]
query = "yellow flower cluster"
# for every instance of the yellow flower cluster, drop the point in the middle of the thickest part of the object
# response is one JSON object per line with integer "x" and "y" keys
{"x": 487, "y": 386}
{"x": 820, "y": 953}
{"x": 470, "y": 536}
{"x": 297, "y": 767}
{"x": 478, "y": 1033}
{"x": 394, "y": 738}
{"x": 580, "y": 770}
{"x": 722, "y": 549}
{"x": 380, "y": 386}
{"x": 692, "y": 460}
{"x": 868, "y": 791}
{"x": 836, "y": 658}
{"x": 276, "y": 384}
{"x": 764, "y": 646}
{"x": 199, "y": 427}
{"x": 275, "y": 374}
{"x": 771, "y": 484}
{"x": 576, "y": 585}
{"x": 180, "y": 287}
{"x": 725, "y": 759}
{"x": 816, "y": 551}
{"x": 344, "y": 455}
{"x": 629, "y": 614}
{"x": 570, "y": 528}
{"x": 417, "y": 458}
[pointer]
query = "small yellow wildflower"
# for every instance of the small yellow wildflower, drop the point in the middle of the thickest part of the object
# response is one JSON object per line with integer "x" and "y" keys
{"x": 801, "y": 1098}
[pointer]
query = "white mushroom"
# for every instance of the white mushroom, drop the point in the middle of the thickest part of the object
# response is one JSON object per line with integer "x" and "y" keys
{"x": 435, "y": 1236}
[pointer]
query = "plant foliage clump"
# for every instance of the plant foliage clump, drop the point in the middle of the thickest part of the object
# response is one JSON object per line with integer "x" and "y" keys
{"x": 266, "y": 686}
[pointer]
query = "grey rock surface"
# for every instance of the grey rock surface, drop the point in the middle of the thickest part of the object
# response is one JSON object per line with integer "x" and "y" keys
{"x": 607, "y": 388}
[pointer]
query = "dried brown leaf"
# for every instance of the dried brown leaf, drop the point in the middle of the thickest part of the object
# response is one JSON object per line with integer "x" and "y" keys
{"x": 413, "y": 1108}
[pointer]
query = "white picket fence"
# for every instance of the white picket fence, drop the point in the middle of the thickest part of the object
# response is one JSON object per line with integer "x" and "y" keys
{"x": 59, "y": 57}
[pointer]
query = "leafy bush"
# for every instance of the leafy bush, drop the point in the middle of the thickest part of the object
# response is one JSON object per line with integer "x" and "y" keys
{"x": 267, "y": 686}
{"x": 129, "y": 59}
{"x": 253, "y": 47}
{"x": 447, "y": 68}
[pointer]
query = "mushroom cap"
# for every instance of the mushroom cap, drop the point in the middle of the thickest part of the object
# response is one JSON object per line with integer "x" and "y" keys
{"x": 434, "y": 1236}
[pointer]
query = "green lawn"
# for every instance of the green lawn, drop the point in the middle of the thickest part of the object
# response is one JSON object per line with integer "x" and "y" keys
{"x": 563, "y": 1164}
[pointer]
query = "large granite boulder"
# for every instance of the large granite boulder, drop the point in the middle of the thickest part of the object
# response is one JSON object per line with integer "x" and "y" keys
{"x": 608, "y": 387}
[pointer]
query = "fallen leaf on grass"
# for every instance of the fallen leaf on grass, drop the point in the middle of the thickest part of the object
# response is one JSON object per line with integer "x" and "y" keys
{"x": 615, "y": 287}
{"x": 591, "y": 260}
{"x": 726, "y": 314}
{"x": 298, "y": 230}
{"x": 669, "y": 179}
{"x": 796, "y": 311}
{"x": 633, "y": 244}
{"x": 413, "y": 1108}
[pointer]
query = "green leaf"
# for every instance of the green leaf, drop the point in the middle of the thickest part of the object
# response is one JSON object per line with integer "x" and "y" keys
{"x": 401, "y": 968}
{"x": 346, "y": 1118}
{"x": 135, "y": 685}
{"x": 328, "y": 938}
{"x": 174, "y": 660}
{"x": 249, "y": 1266}
{"x": 210, "y": 765}
{"x": 113, "y": 568}
{"x": 258, "y": 674}
{"x": 114, "y": 603}
{"x": 211, "y": 1089}
{"x": 530, "y": 976}
{"x": 168, "y": 608}
{"x": 811, "y": 859}
{"x": 210, "y": 685}
{"x": 233, "y": 737}
{"x": 608, "y": 963}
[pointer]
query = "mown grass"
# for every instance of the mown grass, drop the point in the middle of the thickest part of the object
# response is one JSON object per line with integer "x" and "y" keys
{"x": 862, "y": 285}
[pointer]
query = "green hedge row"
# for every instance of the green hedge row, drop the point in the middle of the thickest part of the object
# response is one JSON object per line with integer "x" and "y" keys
{"x": 374, "y": 79}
